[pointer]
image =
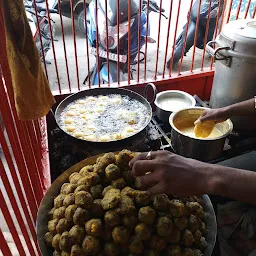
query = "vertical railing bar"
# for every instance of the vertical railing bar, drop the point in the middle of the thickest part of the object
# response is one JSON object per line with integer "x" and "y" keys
{"x": 118, "y": 42}
{"x": 158, "y": 38}
{"x": 53, "y": 47}
{"x": 87, "y": 45}
{"x": 254, "y": 12}
{"x": 4, "y": 248}
{"x": 40, "y": 38}
{"x": 222, "y": 19}
{"x": 195, "y": 36}
{"x": 97, "y": 41}
{"x": 206, "y": 34}
{"x": 129, "y": 42}
{"x": 229, "y": 11}
{"x": 185, "y": 40}
{"x": 64, "y": 44}
{"x": 247, "y": 9}
{"x": 167, "y": 39}
{"x": 238, "y": 10}
{"x": 174, "y": 39}
{"x": 11, "y": 225}
{"x": 216, "y": 30}
{"x": 106, "y": 7}
{"x": 74, "y": 42}
{"x": 139, "y": 35}
{"x": 146, "y": 43}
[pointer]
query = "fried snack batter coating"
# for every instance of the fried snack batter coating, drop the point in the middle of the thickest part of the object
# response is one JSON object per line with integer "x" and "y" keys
{"x": 121, "y": 235}
{"x": 102, "y": 162}
{"x": 96, "y": 191}
{"x": 56, "y": 253}
{"x": 111, "y": 249}
{"x": 130, "y": 220}
{"x": 86, "y": 169}
{"x": 193, "y": 207}
{"x": 56, "y": 242}
{"x": 197, "y": 252}
{"x": 63, "y": 225}
{"x": 65, "y": 242}
{"x": 161, "y": 202}
{"x": 52, "y": 225}
{"x": 69, "y": 199}
{"x": 59, "y": 213}
{"x": 91, "y": 245}
{"x": 112, "y": 218}
{"x": 128, "y": 191}
{"x": 164, "y": 226}
{"x": 50, "y": 214}
{"x": 81, "y": 216}
{"x": 147, "y": 215}
{"x": 112, "y": 172}
{"x": 74, "y": 178}
{"x": 111, "y": 199}
{"x": 157, "y": 243}
{"x": 128, "y": 177}
{"x": 58, "y": 201}
{"x": 85, "y": 187}
{"x": 119, "y": 183}
{"x": 143, "y": 231}
{"x": 48, "y": 238}
{"x": 92, "y": 179}
{"x": 106, "y": 189}
{"x": 176, "y": 208}
{"x": 187, "y": 238}
{"x": 68, "y": 188}
{"x": 193, "y": 224}
{"x": 65, "y": 253}
{"x": 126, "y": 205}
{"x": 181, "y": 223}
{"x": 187, "y": 252}
{"x": 136, "y": 245}
{"x": 142, "y": 198}
{"x": 174, "y": 238}
{"x": 83, "y": 199}
{"x": 82, "y": 181}
{"x": 123, "y": 158}
{"x": 70, "y": 211}
{"x": 201, "y": 244}
{"x": 197, "y": 235}
{"x": 174, "y": 250}
{"x": 94, "y": 227}
{"x": 96, "y": 209}
{"x": 77, "y": 234}
{"x": 76, "y": 250}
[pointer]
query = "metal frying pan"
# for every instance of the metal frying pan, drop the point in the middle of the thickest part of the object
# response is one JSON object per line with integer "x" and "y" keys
{"x": 103, "y": 91}
{"x": 47, "y": 204}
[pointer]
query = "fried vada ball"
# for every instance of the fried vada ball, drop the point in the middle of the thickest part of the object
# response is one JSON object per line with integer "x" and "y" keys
{"x": 82, "y": 181}
{"x": 121, "y": 235}
{"x": 96, "y": 208}
{"x": 112, "y": 172}
{"x": 193, "y": 207}
{"x": 161, "y": 202}
{"x": 86, "y": 169}
{"x": 181, "y": 223}
{"x": 50, "y": 214}
{"x": 64, "y": 253}
{"x": 74, "y": 178}
{"x": 69, "y": 212}
{"x": 56, "y": 242}
{"x": 56, "y": 253}
{"x": 157, "y": 243}
{"x": 81, "y": 216}
{"x": 48, "y": 238}
{"x": 126, "y": 205}
{"x": 106, "y": 189}
{"x": 96, "y": 191}
{"x": 136, "y": 245}
{"x": 176, "y": 208}
{"x": 142, "y": 198}
{"x": 128, "y": 177}
{"x": 94, "y": 227}
{"x": 76, "y": 250}
{"x": 193, "y": 224}
{"x": 197, "y": 235}
{"x": 164, "y": 226}
{"x": 82, "y": 188}
{"x": 123, "y": 158}
{"x": 92, "y": 179}
{"x": 197, "y": 252}
{"x": 201, "y": 244}
{"x": 58, "y": 201}
{"x": 187, "y": 252}
{"x": 111, "y": 199}
{"x": 111, "y": 249}
{"x": 77, "y": 234}
{"x": 59, "y": 213}
{"x": 174, "y": 237}
{"x": 69, "y": 188}
{"x": 119, "y": 183}
{"x": 174, "y": 250}
{"x": 128, "y": 191}
{"x": 63, "y": 188}
{"x": 69, "y": 199}
{"x": 139, "y": 185}
{"x": 143, "y": 231}
{"x": 202, "y": 227}
{"x": 187, "y": 238}
{"x": 200, "y": 214}
{"x": 65, "y": 242}
{"x": 147, "y": 215}
{"x": 130, "y": 220}
{"x": 63, "y": 225}
{"x": 91, "y": 245}
{"x": 83, "y": 199}
{"x": 52, "y": 225}
{"x": 112, "y": 218}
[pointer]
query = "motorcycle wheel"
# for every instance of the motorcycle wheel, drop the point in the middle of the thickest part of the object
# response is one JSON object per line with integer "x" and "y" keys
{"x": 80, "y": 21}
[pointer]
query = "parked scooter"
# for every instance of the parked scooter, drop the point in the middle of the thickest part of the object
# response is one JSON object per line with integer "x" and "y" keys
{"x": 44, "y": 24}
{"x": 112, "y": 15}
{"x": 203, "y": 17}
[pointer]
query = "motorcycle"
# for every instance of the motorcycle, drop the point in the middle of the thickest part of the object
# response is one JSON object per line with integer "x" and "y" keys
{"x": 44, "y": 25}
{"x": 202, "y": 23}
{"x": 112, "y": 43}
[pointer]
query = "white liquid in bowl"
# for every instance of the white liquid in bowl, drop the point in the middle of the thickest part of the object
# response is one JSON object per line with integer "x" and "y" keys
{"x": 189, "y": 131}
{"x": 173, "y": 104}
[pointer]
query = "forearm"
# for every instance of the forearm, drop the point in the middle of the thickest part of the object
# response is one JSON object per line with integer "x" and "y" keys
{"x": 233, "y": 183}
{"x": 245, "y": 108}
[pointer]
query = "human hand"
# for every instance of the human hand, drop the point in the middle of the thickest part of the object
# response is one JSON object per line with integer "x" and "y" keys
{"x": 171, "y": 174}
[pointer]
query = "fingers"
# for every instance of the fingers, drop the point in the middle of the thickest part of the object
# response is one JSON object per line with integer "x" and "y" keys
{"x": 149, "y": 180}
{"x": 141, "y": 167}
{"x": 157, "y": 189}
{"x": 143, "y": 156}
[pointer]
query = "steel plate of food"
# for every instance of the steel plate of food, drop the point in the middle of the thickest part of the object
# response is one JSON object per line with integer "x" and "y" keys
{"x": 97, "y": 208}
